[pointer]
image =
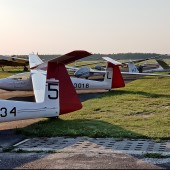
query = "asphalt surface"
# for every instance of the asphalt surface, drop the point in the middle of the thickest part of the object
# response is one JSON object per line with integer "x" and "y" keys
{"x": 72, "y": 161}
{"x": 60, "y": 160}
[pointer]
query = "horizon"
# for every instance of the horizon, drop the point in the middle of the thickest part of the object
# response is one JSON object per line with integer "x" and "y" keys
{"x": 164, "y": 55}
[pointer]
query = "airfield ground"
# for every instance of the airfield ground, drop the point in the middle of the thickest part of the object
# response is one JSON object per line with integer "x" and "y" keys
{"x": 139, "y": 110}
{"x": 76, "y": 159}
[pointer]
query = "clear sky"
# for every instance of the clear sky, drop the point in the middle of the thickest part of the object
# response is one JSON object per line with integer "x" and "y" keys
{"x": 98, "y": 26}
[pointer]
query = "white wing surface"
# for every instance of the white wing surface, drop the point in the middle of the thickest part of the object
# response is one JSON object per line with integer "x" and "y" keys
{"x": 38, "y": 82}
{"x": 145, "y": 74}
{"x": 112, "y": 61}
{"x": 38, "y": 78}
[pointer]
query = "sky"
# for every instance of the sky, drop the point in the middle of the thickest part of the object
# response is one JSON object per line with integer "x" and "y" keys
{"x": 97, "y": 26}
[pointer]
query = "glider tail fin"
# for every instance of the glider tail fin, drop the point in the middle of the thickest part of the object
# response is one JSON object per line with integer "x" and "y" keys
{"x": 116, "y": 76}
{"x": 56, "y": 88}
{"x": 68, "y": 98}
{"x": 132, "y": 67}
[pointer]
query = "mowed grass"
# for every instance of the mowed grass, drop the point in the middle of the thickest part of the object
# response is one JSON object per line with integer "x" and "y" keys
{"x": 9, "y": 71}
{"x": 140, "y": 110}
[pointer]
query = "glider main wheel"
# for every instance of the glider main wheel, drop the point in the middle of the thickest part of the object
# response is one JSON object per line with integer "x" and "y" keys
{"x": 53, "y": 118}
{"x": 25, "y": 69}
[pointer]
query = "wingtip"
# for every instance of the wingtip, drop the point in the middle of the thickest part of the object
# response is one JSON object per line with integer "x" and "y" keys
{"x": 79, "y": 53}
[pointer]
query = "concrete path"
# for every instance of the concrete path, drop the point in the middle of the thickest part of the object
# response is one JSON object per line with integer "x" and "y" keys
{"x": 81, "y": 153}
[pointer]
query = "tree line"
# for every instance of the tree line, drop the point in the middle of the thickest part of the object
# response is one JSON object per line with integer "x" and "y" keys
{"x": 118, "y": 56}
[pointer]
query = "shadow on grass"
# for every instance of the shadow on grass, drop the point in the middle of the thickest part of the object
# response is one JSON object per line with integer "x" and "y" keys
{"x": 77, "y": 127}
{"x": 88, "y": 96}
{"x": 123, "y": 92}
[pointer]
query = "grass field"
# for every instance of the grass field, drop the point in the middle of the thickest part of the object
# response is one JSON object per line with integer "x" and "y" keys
{"x": 140, "y": 110}
{"x": 8, "y": 71}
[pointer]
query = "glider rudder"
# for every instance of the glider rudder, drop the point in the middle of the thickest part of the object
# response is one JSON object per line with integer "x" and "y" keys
{"x": 68, "y": 98}
{"x": 117, "y": 79}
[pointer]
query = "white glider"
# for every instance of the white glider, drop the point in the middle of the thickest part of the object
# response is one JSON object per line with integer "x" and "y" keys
{"x": 55, "y": 94}
{"x": 23, "y": 81}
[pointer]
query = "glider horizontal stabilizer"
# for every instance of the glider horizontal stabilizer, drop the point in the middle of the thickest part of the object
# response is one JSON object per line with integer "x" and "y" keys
{"x": 65, "y": 59}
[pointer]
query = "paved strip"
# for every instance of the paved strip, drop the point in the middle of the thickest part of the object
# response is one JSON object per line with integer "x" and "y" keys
{"x": 9, "y": 138}
{"x": 103, "y": 145}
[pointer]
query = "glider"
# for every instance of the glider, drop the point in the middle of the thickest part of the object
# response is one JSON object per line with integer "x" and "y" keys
{"x": 13, "y": 61}
{"x": 23, "y": 81}
{"x": 134, "y": 70}
{"x": 54, "y": 91}
{"x": 86, "y": 72}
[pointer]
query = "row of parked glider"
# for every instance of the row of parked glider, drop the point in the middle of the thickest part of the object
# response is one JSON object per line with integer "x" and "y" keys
{"x": 54, "y": 89}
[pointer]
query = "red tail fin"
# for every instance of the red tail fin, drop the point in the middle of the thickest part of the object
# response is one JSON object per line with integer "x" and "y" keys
{"x": 68, "y": 98}
{"x": 117, "y": 79}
